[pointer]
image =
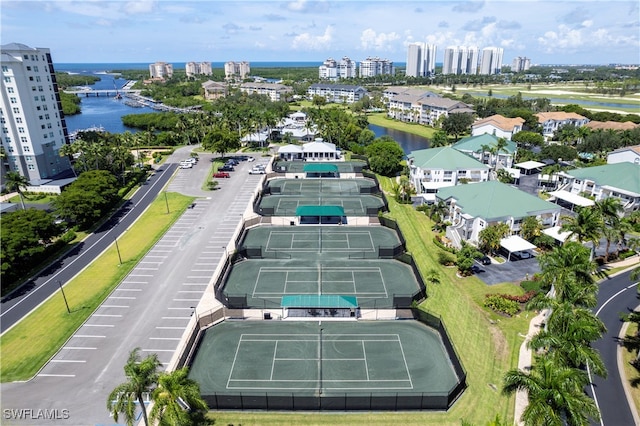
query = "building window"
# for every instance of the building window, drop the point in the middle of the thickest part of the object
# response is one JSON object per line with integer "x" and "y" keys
{"x": 5, "y": 130}
{"x": 7, "y": 139}
{"x": 10, "y": 89}
{"x": 31, "y": 167}
{"x": 42, "y": 98}
{"x": 48, "y": 125}
{"x": 5, "y": 68}
{"x": 29, "y": 158}
{"x": 35, "y": 98}
{"x": 10, "y": 149}
{"x": 40, "y": 89}
{"x": 28, "y": 68}
{"x": 51, "y": 135}
{"x": 23, "y": 139}
{"x": 25, "y": 56}
{"x": 7, "y": 79}
{"x": 20, "y": 129}
{"x": 33, "y": 88}
{"x": 35, "y": 68}
{"x": 16, "y": 110}
{"x": 37, "y": 78}
{"x": 13, "y": 100}
{"x": 46, "y": 116}
{"x": 31, "y": 78}
{"x": 42, "y": 126}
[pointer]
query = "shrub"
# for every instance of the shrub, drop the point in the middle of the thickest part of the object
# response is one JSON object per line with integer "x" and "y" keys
{"x": 446, "y": 259}
{"x": 69, "y": 236}
{"x": 627, "y": 253}
{"x": 531, "y": 286}
{"x": 438, "y": 242}
{"x": 520, "y": 299}
{"x": 500, "y": 304}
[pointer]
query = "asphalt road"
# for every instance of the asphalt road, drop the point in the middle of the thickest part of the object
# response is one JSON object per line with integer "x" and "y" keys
{"x": 22, "y": 301}
{"x": 616, "y": 295}
{"x": 148, "y": 310}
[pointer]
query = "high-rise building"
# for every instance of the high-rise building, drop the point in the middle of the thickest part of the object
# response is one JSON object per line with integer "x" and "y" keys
{"x": 161, "y": 70}
{"x": 372, "y": 67}
{"x": 198, "y": 68}
{"x": 347, "y": 68}
{"x": 520, "y": 64}
{"x": 33, "y": 125}
{"x": 421, "y": 60}
{"x": 332, "y": 69}
{"x": 491, "y": 62}
{"x": 460, "y": 60}
{"x": 236, "y": 70}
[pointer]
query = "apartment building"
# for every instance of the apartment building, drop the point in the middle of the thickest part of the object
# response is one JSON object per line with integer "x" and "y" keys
{"x": 214, "y": 90}
{"x": 339, "y": 93}
{"x": 236, "y": 70}
{"x": 460, "y": 60}
{"x": 33, "y": 125}
{"x": 276, "y": 92}
{"x": 372, "y": 67}
{"x": 491, "y": 62}
{"x": 161, "y": 70}
{"x": 198, "y": 68}
{"x": 333, "y": 70}
{"x": 421, "y": 60}
{"x": 498, "y": 125}
{"x": 415, "y": 106}
{"x": 520, "y": 64}
{"x": 552, "y": 121}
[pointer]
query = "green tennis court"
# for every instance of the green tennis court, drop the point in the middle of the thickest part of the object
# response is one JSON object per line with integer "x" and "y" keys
{"x": 355, "y": 205}
{"x": 262, "y": 283}
{"x": 312, "y": 357}
{"x": 327, "y": 241}
{"x": 314, "y": 186}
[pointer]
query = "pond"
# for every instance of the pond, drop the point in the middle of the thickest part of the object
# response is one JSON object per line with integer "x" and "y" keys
{"x": 408, "y": 141}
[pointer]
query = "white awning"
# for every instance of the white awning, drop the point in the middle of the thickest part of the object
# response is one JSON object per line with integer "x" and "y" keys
{"x": 529, "y": 165}
{"x": 516, "y": 243}
{"x": 435, "y": 185}
{"x": 572, "y": 198}
{"x": 556, "y": 233}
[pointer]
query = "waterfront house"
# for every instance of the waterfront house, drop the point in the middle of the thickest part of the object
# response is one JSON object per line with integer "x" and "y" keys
{"x": 214, "y": 90}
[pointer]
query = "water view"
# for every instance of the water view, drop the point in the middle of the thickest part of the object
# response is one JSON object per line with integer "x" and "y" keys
{"x": 409, "y": 142}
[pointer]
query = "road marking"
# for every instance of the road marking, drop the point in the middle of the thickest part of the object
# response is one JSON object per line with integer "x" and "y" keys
{"x": 67, "y": 360}
{"x": 79, "y": 348}
{"x": 176, "y": 309}
{"x": 158, "y": 350}
{"x": 148, "y": 269}
{"x": 107, "y": 315}
{"x": 88, "y": 335}
{"x": 165, "y": 338}
{"x": 180, "y": 318}
{"x": 186, "y": 300}
{"x": 98, "y": 325}
{"x": 135, "y": 282}
{"x": 114, "y": 306}
{"x": 129, "y": 289}
{"x": 169, "y": 328}
{"x": 56, "y": 375}
{"x": 122, "y": 297}
{"x": 140, "y": 275}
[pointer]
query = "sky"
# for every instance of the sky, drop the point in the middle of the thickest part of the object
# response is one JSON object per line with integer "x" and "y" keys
{"x": 548, "y": 32}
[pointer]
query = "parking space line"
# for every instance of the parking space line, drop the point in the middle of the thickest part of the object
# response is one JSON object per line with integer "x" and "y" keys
{"x": 203, "y": 284}
{"x": 180, "y": 318}
{"x": 56, "y": 375}
{"x": 68, "y": 360}
{"x": 140, "y": 275}
{"x": 107, "y": 315}
{"x": 165, "y": 338}
{"x": 176, "y": 309}
{"x": 88, "y": 335}
{"x": 79, "y": 348}
{"x": 98, "y": 325}
{"x": 129, "y": 289}
{"x": 147, "y": 269}
{"x": 190, "y": 291}
{"x": 122, "y": 297}
{"x": 115, "y": 306}
{"x": 186, "y": 300}
{"x": 158, "y": 350}
{"x": 169, "y": 328}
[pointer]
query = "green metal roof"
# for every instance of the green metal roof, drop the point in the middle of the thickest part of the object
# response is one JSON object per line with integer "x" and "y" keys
{"x": 474, "y": 143}
{"x": 493, "y": 200}
{"x": 318, "y": 301}
{"x": 320, "y": 211}
{"x": 446, "y": 158}
{"x": 320, "y": 167}
{"x": 625, "y": 176}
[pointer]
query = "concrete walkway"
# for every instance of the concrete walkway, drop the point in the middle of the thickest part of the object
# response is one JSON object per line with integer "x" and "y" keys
{"x": 525, "y": 359}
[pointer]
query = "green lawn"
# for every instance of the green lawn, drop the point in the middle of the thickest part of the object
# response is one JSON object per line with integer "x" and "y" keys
{"x": 630, "y": 372}
{"x": 50, "y": 325}
{"x": 381, "y": 119}
{"x": 487, "y": 343}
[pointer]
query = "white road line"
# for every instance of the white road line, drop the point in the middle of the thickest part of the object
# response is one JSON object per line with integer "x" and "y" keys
{"x": 140, "y": 275}
{"x": 158, "y": 350}
{"x": 129, "y": 289}
{"x": 169, "y": 328}
{"x": 114, "y": 306}
{"x": 88, "y": 335}
{"x": 201, "y": 284}
{"x": 147, "y": 269}
{"x": 180, "y": 318}
{"x": 107, "y": 315}
{"x": 186, "y": 300}
{"x": 79, "y": 348}
{"x": 67, "y": 360}
{"x": 190, "y": 291}
{"x": 176, "y": 309}
{"x": 122, "y": 297}
{"x": 165, "y": 338}
{"x": 135, "y": 282}
{"x": 98, "y": 325}
{"x": 56, "y": 375}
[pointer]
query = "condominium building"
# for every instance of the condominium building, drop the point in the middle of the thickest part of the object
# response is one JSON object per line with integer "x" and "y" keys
{"x": 33, "y": 125}
{"x": 275, "y": 91}
{"x": 372, "y": 67}
{"x": 338, "y": 93}
{"x": 333, "y": 70}
{"x": 161, "y": 70}
{"x": 421, "y": 60}
{"x": 198, "y": 68}
{"x": 236, "y": 70}
{"x": 460, "y": 60}
{"x": 520, "y": 64}
{"x": 491, "y": 62}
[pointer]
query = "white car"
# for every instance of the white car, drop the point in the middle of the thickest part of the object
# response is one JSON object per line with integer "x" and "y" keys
{"x": 257, "y": 171}
{"x": 186, "y": 165}
{"x": 251, "y": 159}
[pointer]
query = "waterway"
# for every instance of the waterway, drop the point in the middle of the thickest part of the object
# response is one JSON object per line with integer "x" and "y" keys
{"x": 408, "y": 141}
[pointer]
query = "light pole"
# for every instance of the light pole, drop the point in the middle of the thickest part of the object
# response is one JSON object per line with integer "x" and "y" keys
{"x": 64, "y": 297}
{"x": 166, "y": 201}
{"x": 118, "y": 250}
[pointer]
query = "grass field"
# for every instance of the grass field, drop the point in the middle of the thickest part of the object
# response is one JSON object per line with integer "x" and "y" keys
{"x": 630, "y": 372}
{"x": 50, "y": 325}
{"x": 487, "y": 343}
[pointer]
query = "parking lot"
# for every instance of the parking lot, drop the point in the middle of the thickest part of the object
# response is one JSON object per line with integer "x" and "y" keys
{"x": 512, "y": 271}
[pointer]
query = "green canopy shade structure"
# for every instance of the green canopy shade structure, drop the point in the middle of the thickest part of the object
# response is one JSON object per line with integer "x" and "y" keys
{"x": 323, "y": 301}
{"x": 320, "y": 168}
{"x": 320, "y": 211}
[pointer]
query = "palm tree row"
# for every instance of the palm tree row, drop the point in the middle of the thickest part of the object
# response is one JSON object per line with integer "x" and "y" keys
{"x": 555, "y": 384}
{"x": 176, "y": 398}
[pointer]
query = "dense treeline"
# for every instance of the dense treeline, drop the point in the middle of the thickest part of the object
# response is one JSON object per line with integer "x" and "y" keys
{"x": 70, "y": 103}
{"x": 152, "y": 121}
{"x": 66, "y": 80}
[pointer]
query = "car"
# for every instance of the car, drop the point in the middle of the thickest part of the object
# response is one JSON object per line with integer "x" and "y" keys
{"x": 521, "y": 255}
{"x": 251, "y": 159}
{"x": 484, "y": 260}
{"x": 191, "y": 160}
{"x": 476, "y": 269}
{"x": 257, "y": 171}
{"x": 226, "y": 168}
{"x": 221, "y": 175}
{"x": 186, "y": 165}
{"x": 232, "y": 162}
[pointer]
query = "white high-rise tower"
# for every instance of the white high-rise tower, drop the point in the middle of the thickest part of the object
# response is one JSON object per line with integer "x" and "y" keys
{"x": 491, "y": 60}
{"x": 421, "y": 60}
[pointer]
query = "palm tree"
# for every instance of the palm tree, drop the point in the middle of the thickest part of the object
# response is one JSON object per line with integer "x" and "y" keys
{"x": 568, "y": 337}
{"x": 555, "y": 394}
{"x": 141, "y": 377}
{"x": 14, "y": 181}
{"x": 585, "y": 226}
{"x": 176, "y": 399}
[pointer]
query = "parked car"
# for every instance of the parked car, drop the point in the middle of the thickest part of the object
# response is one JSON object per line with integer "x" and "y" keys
{"x": 251, "y": 159}
{"x": 484, "y": 260}
{"x": 186, "y": 165}
{"x": 521, "y": 255}
{"x": 232, "y": 162}
{"x": 191, "y": 160}
{"x": 257, "y": 171}
{"x": 476, "y": 269}
{"x": 221, "y": 175}
{"x": 226, "y": 168}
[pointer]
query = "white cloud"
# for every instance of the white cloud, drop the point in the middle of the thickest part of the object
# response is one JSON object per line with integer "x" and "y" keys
{"x": 308, "y": 41}
{"x": 139, "y": 6}
{"x": 372, "y": 40}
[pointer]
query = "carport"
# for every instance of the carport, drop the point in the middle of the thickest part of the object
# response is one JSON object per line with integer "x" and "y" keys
{"x": 556, "y": 233}
{"x": 515, "y": 243}
{"x": 314, "y": 215}
{"x": 530, "y": 167}
{"x": 319, "y": 305}
{"x": 321, "y": 170}
{"x": 570, "y": 199}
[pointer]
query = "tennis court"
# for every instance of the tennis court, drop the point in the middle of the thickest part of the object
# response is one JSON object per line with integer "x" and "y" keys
{"x": 327, "y": 241}
{"x": 355, "y": 205}
{"x": 261, "y": 283}
{"x": 298, "y": 166}
{"x": 315, "y": 358}
{"x": 345, "y": 187}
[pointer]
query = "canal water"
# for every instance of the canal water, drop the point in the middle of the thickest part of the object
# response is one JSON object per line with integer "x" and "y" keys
{"x": 409, "y": 142}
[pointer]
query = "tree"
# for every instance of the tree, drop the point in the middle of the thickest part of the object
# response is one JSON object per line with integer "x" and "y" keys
{"x": 585, "y": 226}
{"x": 555, "y": 393}
{"x": 439, "y": 139}
{"x": 528, "y": 139}
{"x": 530, "y": 228}
{"x": 221, "y": 141}
{"x": 384, "y": 156}
{"x": 14, "y": 181}
{"x": 465, "y": 257}
{"x": 177, "y": 399}
{"x": 457, "y": 124}
{"x": 141, "y": 378}
{"x": 489, "y": 238}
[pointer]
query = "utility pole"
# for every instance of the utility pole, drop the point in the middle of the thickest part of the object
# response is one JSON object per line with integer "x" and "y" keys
{"x": 64, "y": 297}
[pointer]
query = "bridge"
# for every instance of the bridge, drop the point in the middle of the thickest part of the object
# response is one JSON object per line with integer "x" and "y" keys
{"x": 102, "y": 92}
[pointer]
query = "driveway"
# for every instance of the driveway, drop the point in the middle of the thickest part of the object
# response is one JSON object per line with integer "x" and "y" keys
{"x": 513, "y": 271}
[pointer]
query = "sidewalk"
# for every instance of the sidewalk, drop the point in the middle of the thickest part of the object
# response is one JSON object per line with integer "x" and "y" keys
{"x": 6, "y": 197}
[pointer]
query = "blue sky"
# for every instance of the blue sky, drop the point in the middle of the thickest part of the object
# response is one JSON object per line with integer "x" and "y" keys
{"x": 547, "y": 32}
